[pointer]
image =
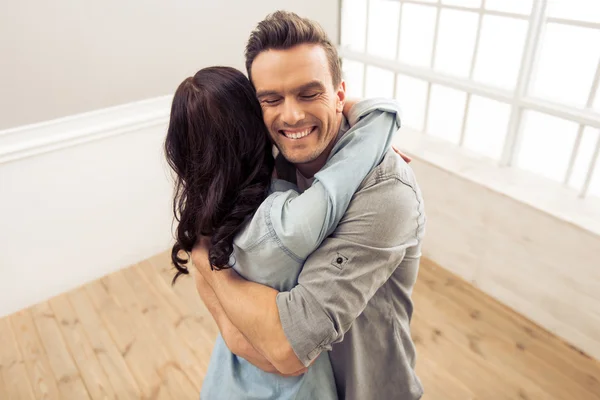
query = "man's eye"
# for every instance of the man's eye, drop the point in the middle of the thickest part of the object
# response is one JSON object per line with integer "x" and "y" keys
{"x": 309, "y": 96}
{"x": 270, "y": 101}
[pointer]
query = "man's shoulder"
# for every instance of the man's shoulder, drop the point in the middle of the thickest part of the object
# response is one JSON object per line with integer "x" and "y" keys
{"x": 388, "y": 207}
{"x": 390, "y": 172}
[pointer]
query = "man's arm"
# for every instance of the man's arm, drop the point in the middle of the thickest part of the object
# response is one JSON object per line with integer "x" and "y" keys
{"x": 235, "y": 341}
{"x": 253, "y": 308}
{"x": 292, "y": 328}
{"x": 348, "y": 105}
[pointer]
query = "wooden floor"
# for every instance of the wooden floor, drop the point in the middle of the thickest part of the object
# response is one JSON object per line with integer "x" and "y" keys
{"x": 130, "y": 335}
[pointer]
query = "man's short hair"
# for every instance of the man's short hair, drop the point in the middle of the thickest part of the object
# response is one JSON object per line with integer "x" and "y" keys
{"x": 283, "y": 30}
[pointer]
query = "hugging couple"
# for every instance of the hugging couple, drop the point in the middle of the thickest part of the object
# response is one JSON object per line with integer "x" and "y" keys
{"x": 303, "y": 225}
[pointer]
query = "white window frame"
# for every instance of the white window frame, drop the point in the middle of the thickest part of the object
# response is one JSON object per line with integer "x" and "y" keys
{"x": 518, "y": 99}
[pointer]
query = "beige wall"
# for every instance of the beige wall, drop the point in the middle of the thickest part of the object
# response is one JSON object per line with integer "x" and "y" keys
{"x": 541, "y": 266}
{"x": 70, "y": 56}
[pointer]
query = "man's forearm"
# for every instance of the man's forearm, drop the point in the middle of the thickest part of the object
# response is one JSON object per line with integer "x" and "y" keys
{"x": 252, "y": 308}
{"x": 234, "y": 339}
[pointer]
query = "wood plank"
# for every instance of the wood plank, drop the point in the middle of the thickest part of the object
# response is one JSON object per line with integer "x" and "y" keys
{"x": 89, "y": 367}
{"x": 16, "y": 383}
{"x": 141, "y": 355}
{"x": 438, "y": 383}
{"x": 480, "y": 377}
{"x": 34, "y": 355}
{"x": 497, "y": 352}
{"x": 3, "y": 389}
{"x": 144, "y": 311}
{"x": 171, "y": 326}
{"x": 197, "y": 332}
{"x": 70, "y": 384}
{"x": 134, "y": 333}
{"x": 114, "y": 366}
{"x": 185, "y": 288}
{"x": 519, "y": 346}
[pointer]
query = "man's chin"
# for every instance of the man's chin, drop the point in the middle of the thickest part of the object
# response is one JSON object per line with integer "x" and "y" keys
{"x": 300, "y": 157}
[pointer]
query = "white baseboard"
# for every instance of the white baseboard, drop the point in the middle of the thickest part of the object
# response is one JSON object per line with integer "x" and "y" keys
{"x": 25, "y": 141}
{"x": 81, "y": 197}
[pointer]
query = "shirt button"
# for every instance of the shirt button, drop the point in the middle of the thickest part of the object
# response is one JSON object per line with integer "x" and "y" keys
{"x": 339, "y": 260}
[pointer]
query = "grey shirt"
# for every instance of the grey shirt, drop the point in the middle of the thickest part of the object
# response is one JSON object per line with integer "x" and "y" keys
{"x": 353, "y": 293}
{"x": 285, "y": 229}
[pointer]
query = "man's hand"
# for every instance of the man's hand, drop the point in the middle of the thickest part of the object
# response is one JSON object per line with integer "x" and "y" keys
{"x": 348, "y": 104}
{"x": 406, "y": 158}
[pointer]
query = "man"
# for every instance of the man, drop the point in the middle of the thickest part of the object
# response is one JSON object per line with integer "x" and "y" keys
{"x": 353, "y": 294}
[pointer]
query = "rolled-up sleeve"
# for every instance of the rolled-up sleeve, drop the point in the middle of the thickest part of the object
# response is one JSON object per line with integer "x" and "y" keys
{"x": 342, "y": 275}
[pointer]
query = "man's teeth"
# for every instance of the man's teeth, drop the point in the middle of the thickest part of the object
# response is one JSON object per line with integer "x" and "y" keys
{"x": 297, "y": 135}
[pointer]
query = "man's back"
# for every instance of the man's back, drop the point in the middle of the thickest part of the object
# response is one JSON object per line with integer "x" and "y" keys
{"x": 360, "y": 306}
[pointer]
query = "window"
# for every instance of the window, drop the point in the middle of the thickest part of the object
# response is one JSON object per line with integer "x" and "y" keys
{"x": 516, "y": 81}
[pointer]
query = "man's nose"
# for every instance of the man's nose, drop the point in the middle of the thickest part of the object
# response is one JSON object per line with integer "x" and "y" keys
{"x": 292, "y": 113}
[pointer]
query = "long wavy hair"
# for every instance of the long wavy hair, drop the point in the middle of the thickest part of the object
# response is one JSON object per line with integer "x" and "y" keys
{"x": 219, "y": 148}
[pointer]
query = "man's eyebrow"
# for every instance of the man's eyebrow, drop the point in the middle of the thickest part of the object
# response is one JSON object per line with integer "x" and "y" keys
{"x": 307, "y": 86}
{"x": 264, "y": 93}
{"x": 311, "y": 85}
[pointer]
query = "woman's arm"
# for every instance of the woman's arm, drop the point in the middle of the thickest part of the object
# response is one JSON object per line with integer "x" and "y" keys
{"x": 301, "y": 222}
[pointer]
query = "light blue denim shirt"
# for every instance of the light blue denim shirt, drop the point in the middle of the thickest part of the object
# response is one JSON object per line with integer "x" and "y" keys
{"x": 285, "y": 230}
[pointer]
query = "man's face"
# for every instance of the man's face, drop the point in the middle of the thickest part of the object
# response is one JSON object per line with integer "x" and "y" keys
{"x": 301, "y": 107}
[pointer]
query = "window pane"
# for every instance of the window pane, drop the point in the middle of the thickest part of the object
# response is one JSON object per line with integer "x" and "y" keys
{"x": 486, "y": 128}
{"x": 446, "y": 110}
{"x": 513, "y": 6}
{"x": 354, "y": 24}
{"x": 412, "y": 95}
{"x": 583, "y": 157}
{"x": 384, "y": 16}
{"x": 456, "y": 42}
{"x": 546, "y": 145}
{"x": 464, "y": 3}
{"x": 416, "y": 35}
{"x": 353, "y": 72}
{"x": 380, "y": 82}
{"x": 597, "y": 99}
{"x": 567, "y": 64}
{"x": 582, "y": 10}
{"x": 500, "y": 51}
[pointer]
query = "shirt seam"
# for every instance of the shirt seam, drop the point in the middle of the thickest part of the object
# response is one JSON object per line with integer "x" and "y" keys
{"x": 258, "y": 242}
{"x": 272, "y": 232}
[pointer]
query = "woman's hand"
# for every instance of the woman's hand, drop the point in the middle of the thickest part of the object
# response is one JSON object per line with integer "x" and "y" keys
{"x": 406, "y": 158}
{"x": 348, "y": 106}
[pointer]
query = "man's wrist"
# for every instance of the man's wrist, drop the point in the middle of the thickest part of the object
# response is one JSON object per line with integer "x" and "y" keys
{"x": 217, "y": 278}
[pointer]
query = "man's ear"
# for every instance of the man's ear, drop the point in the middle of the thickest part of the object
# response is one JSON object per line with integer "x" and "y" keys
{"x": 341, "y": 97}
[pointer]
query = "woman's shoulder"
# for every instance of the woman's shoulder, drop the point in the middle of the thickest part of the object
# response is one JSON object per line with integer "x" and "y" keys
{"x": 259, "y": 229}
{"x": 280, "y": 185}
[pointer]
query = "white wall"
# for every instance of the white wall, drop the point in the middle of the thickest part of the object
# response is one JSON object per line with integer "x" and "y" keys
{"x": 539, "y": 265}
{"x": 65, "y": 57}
{"x": 74, "y": 214}
{"x": 89, "y": 194}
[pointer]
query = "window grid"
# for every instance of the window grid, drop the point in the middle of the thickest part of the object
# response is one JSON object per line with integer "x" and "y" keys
{"x": 519, "y": 99}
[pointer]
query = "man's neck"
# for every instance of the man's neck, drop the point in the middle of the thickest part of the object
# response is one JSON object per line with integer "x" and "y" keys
{"x": 308, "y": 170}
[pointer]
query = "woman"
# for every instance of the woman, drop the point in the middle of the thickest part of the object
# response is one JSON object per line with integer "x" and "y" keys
{"x": 220, "y": 150}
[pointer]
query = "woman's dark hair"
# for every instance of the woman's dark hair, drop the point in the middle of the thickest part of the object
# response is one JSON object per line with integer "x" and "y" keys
{"x": 219, "y": 148}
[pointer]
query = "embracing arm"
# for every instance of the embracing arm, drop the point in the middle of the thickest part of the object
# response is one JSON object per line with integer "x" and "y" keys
{"x": 291, "y": 328}
{"x": 233, "y": 338}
